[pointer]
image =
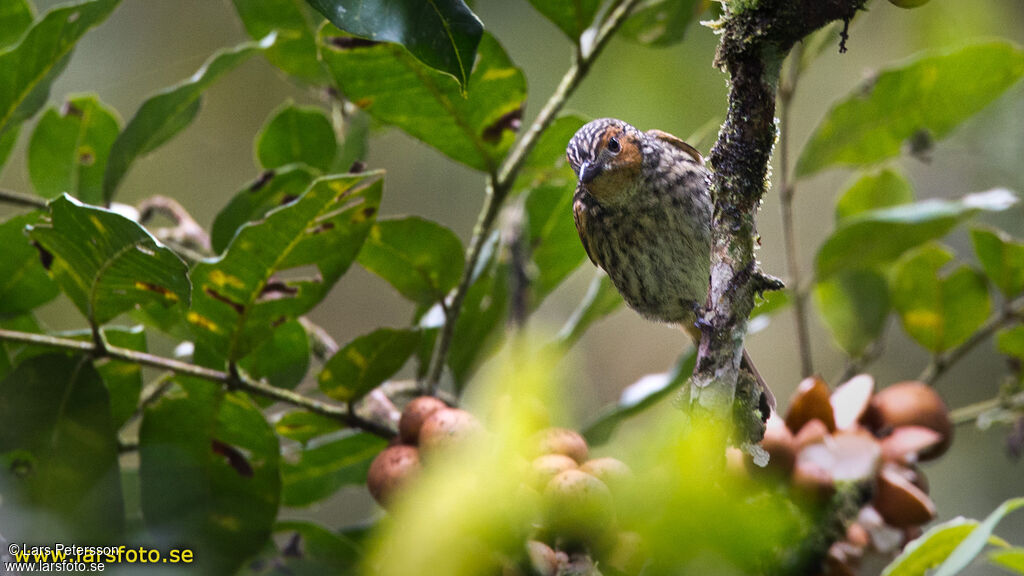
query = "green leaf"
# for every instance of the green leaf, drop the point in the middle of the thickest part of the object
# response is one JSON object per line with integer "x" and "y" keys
{"x": 880, "y": 236}
{"x": 1010, "y": 341}
{"x": 874, "y": 190}
{"x": 854, "y": 305}
{"x": 571, "y": 17}
{"x": 555, "y": 246}
{"x": 1002, "y": 258}
{"x": 600, "y": 300}
{"x": 662, "y": 22}
{"x": 167, "y": 113}
{"x": 283, "y": 359}
{"x": 324, "y": 468}
{"x": 443, "y": 34}
{"x": 240, "y": 297}
{"x": 303, "y": 426}
{"x": 938, "y": 311}
{"x": 476, "y": 129}
{"x": 58, "y": 452}
{"x": 122, "y": 379}
{"x": 24, "y": 284}
{"x": 274, "y": 188}
{"x": 973, "y": 544}
{"x": 640, "y": 396}
{"x": 106, "y": 263}
{"x": 770, "y": 303}
{"x": 300, "y": 134}
{"x": 15, "y": 17}
{"x": 420, "y": 258}
{"x": 69, "y": 148}
{"x": 209, "y": 467}
{"x": 28, "y": 68}
{"x": 1012, "y": 559}
{"x": 929, "y": 550}
{"x": 546, "y": 163}
{"x": 356, "y": 141}
{"x": 7, "y": 141}
{"x": 923, "y": 99}
{"x": 295, "y": 50}
{"x": 366, "y": 362}
{"x": 323, "y": 551}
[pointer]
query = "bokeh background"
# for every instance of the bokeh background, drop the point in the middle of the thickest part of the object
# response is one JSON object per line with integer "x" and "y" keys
{"x": 147, "y": 45}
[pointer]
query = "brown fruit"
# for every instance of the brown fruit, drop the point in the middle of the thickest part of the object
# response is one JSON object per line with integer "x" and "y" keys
{"x": 900, "y": 503}
{"x": 415, "y": 413}
{"x": 446, "y": 428}
{"x": 906, "y": 443}
{"x": 545, "y": 467}
{"x": 810, "y": 401}
{"x": 578, "y": 507}
{"x": 781, "y": 446}
{"x": 390, "y": 470}
{"x": 612, "y": 471}
{"x": 562, "y": 441}
{"x": 812, "y": 433}
{"x": 543, "y": 559}
{"x": 911, "y": 404}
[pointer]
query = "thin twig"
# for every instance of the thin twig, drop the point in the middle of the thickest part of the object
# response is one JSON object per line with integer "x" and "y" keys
{"x": 19, "y": 199}
{"x": 940, "y": 363}
{"x": 234, "y": 381}
{"x": 788, "y": 190}
{"x": 968, "y": 414}
{"x": 500, "y": 184}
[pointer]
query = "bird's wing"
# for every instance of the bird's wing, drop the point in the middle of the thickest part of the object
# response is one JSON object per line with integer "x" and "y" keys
{"x": 581, "y": 228}
{"x": 677, "y": 142}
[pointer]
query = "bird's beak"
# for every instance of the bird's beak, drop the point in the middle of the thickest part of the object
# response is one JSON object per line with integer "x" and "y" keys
{"x": 589, "y": 171}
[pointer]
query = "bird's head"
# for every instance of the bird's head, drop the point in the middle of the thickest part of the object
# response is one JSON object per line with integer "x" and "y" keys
{"x": 607, "y": 156}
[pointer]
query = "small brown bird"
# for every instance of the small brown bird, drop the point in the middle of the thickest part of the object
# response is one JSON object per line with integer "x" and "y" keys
{"x": 643, "y": 211}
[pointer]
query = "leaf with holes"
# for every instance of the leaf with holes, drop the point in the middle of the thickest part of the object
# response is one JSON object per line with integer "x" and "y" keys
{"x": 69, "y": 148}
{"x": 872, "y": 191}
{"x": 443, "y": 34}
{"x": 297, "y": 134}
{"x": 939, "y": 311}
{"x": 662, "y": 22}
{"x": 911, "y": 105}
{"x": 1002, "y": 258}
{"x": 58, "y": 451}
{"x": 282, "y": 360}
{"x": 272, "y": 189}
{"x": 106, "y": 263}
{"x": 210, "y": 474}
{"x": 476, "y": 129}
{"x": 280, "y": 267}
{"x": 322, "y": 468}
{"x": 167, "y": 113}
{"x": 420, "y": 258}
{"x": 28, "y": 68}
{"x": 570, "y": 17}
{"x": 295, "y": 50}
{"x": 24, "y": 284}
{"x": 366, "y": 362}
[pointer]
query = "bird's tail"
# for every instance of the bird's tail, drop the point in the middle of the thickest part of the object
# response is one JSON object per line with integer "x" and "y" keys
{"x": 694, "y": 332}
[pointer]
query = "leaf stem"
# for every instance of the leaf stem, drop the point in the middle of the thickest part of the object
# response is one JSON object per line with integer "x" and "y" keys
{"x": 19, "y": 199}
{"x": 971, "y": 412}
{"x": 1013, "y": 310}
{"x": 787, "y": 89}
{"x": 500, "y": 183}
{"x": 235, "y": 381}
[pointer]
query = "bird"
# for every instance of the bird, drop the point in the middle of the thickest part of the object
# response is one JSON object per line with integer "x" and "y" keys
{"x": 643, "y": 211}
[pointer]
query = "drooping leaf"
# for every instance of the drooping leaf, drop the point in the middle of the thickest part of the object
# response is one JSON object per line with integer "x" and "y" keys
{"x": 167, "y": 113}
{"x": 1011, "y": 559}
{"x": 939, "y": 311}
{"x": 28, "y": 68}
{"x": 295, "y": 50}
{"x": 322, "y": 551}
{"x": 58, "y": 452}
{"x": 641, "y": 395}
{"x": 297, "y": 134}
{"x": 240, "y": 297}
{"x": 323, "y": 468}
{"x": 209, "y": 468}
{"x": 571, "y": 17}
{"x": 979, "y": 537}
{"x": 1002, "y": 257}
{"x": 555, "y": 246}
{"x": 106, "y": 263}
{"x": 122, "y": 379}
{"x": 15, "y": 17}
{"x": 69, "y": 148}
{"x": 662, "y": 22}
{"x": 874, "y": 190}
{"x": 303, "y": 426}
{"x": 880, "y": 236}
{"x": 929, "y": 550}
{"x": 420, "y": 258}
{"x": 355, "y": 144}
{"x": 546, "y": 163}
{"x": 854, "y": 305}
{"x": 24, "y": 284}
{"x": 476, "y": 129}
{"x": 923, "y": 99}
{"x": 274, "y": 188}
{"x": 600, "y": 300}
{"x": 283, "y": 359}
{"x": 366, "y": 362}
{"x": 443, "y": 34}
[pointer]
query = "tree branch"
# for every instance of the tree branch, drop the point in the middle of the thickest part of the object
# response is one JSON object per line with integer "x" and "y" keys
{"x": 971, "y": 412}
{"x": 940, "y": 363}
{"x": 500, "y": 184}
{"x": 19, "y": 199}
{"x": 232, "y": 380}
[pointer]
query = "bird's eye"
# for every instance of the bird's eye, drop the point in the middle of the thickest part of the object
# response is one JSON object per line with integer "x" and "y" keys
{"x": 613, "y": 146}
